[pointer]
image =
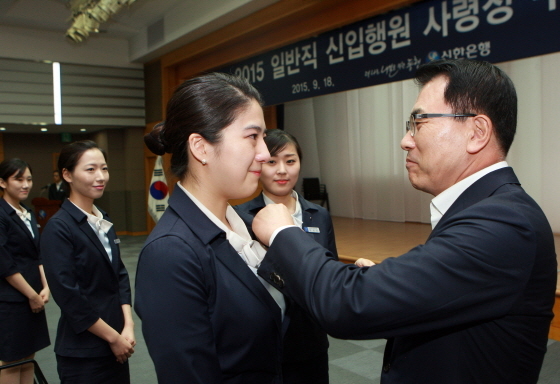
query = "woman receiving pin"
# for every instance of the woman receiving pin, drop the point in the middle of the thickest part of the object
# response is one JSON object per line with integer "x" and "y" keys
{"x": 206, "y": 316}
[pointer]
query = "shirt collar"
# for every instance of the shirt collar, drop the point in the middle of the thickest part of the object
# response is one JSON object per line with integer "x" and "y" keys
{"x": 250, "y": 251}
{"x": 297, "y": 215}
{"x": 24, "y": 215}
{"x": 442, "y": 202}
{"x": 96, "y": 219}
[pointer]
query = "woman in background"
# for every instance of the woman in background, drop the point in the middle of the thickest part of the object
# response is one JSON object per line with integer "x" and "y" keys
{"x": 206, "y": 316}
{"x": 305, "y": 344}
{"x": 23, "y": 287}
{"x": 95, "y": 336}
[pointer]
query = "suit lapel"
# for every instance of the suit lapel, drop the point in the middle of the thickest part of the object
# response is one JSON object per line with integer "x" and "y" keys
{"x": 111, "y": 237}
{"x": 213, "y": 237}
{"x": 35, "y": 229}
{"x": 85, "y": 227}
{"x": 19, "y": 222}
{"x": 233, "y": 262}
{"x": 255, "y": 205}
{"x": 479, "y": 190}
{"x": 307, "y": 212}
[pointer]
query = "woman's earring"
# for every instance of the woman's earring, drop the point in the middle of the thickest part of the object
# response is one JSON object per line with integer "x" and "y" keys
{"x": 203, "y": 161}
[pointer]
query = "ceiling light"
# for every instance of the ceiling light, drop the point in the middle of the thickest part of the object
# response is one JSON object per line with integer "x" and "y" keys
{"x": 44, "y": 129}
{"x": 2, "y": 128}
{"x": 82, "y": 129}
{"x": 87, "y": 15}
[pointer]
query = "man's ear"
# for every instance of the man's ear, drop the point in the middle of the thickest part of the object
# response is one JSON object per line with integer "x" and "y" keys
{"x": 3, "y": 183}
{"x": 482, "y": 132}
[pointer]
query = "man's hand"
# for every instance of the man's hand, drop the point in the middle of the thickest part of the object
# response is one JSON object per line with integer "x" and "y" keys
{"x": 364, "y": 263}
{"x": 270, "y": 218}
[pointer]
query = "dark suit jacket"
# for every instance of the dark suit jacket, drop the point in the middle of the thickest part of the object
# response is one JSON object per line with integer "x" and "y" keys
{"x": 55, "y": 194}
{"x": 19, "y": 252}
{"x": 84, "y": 282}
{"x": 304, "y": 339}
{"x": 472, "y": 305}
{"x": 206, "y": 317}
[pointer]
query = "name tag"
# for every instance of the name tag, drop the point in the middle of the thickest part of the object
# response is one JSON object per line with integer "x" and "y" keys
{"x": 312, "y": 229}
{"x": 117, "y": 241}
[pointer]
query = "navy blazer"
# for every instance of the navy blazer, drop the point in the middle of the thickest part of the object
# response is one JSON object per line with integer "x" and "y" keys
{"x": 84, "y": 282}
{"x": 304, "y": 339}
{"x": 19, "y": 252}
{"x": 471, "y": 305}
{"x": 206, "y": 317}
{"x": 313, "y": 215}
{"x": 57, "y": 194}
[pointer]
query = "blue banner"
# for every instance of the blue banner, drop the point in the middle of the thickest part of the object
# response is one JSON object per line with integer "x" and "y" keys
{"x": 392, "y": 46}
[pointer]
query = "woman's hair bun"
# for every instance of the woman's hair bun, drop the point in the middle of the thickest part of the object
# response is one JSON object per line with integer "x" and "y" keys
{"x": 154, "y": 141}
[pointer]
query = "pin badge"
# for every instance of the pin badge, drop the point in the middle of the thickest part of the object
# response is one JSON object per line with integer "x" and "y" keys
{"x": 312, "y": 229}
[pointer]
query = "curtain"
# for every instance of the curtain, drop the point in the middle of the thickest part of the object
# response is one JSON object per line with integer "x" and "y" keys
{"x": 351, "y": 141}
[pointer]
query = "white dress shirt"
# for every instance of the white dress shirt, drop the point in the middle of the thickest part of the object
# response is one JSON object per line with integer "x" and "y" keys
{"x": 442, "y": 202}
{"x": 100, "y": 226}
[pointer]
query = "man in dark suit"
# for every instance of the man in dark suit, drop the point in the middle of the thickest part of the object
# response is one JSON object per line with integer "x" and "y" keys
{"x": 56, "y": 189}
{"x": 474, "y": 303}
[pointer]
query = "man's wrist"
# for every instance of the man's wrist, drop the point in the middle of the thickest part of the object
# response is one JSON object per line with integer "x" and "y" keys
{"x": 273, "y": 236}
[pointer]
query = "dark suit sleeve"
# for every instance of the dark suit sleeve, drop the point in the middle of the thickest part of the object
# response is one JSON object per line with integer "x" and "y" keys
{"x": 330, "y": 237}
{"x": 468, "y": 273}
{"x": 7, "y": 264}
{"x": 124, "y": 285}
{"x": 172, "y": 300}
{"x": 57, "y": 250}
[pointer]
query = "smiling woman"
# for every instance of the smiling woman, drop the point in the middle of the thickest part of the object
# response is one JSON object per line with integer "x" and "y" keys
{"x": 206, "y": 316}
{"x": 305, "y": 343}
{"x": 23, "y": 287}
{"x": 95, "y": 336}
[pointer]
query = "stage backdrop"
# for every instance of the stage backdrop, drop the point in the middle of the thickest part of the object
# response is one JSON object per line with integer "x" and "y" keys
{"x": 390, "y": 47}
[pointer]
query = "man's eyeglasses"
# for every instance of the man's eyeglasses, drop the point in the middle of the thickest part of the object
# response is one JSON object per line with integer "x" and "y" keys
{"x": 411, "y": 123}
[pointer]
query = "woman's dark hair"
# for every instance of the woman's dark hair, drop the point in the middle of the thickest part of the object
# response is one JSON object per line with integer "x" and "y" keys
{"x": 477, "y": 87}
{"x": 276, "y": 140}
{"x": 9, "y": 167}
{"x": 71, "y": 154}
{"x": 204, "y": 105}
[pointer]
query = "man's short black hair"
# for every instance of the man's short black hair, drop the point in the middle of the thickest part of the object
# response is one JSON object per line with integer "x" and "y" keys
{"x": 477, "y": 87}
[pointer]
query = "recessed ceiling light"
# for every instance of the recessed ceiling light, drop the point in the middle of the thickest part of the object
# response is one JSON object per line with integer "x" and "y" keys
{"x": 44, "y": 129}
{"x": 82, "y": 129}
{"x": 2, "y": 128}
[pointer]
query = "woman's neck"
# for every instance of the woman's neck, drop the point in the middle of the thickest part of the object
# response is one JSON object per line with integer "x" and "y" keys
{"x": 288, "y": 200}
{"x": 82, "y": 202}
{"x": 215, "y": 204}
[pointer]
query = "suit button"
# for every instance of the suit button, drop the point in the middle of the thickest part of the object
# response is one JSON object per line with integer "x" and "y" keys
{"x": 277, "y": 280}
{"x": 386, "y": 367}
